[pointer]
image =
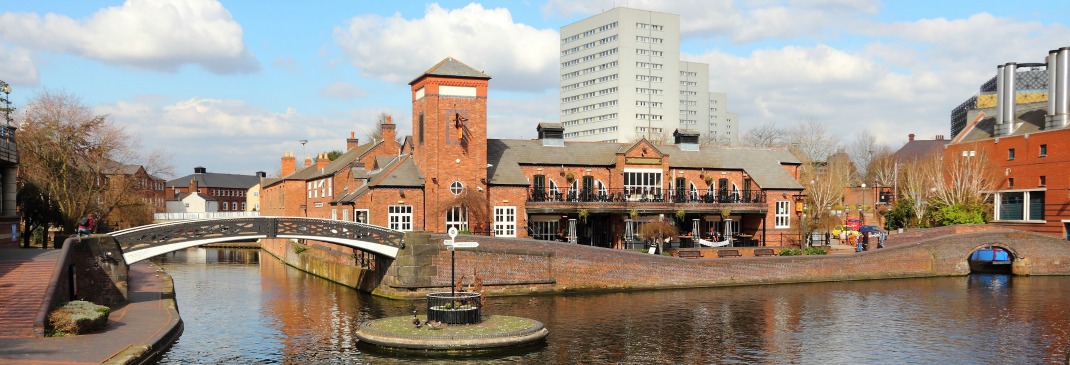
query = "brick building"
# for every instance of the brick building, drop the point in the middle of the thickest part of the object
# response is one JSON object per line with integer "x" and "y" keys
{"x": 226, "y": 191}
{"x": 1024, "y": 134}
{"x": 447, "y": 173}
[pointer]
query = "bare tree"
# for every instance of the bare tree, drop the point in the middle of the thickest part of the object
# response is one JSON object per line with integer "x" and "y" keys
{"x": 965, "y": 181}
{"x": 811, "y": 142}
{"x": 862, "y": 151}
{"x": 918, "y": 182}
{"x": 765, "y": 135}
{"x": 77, "y": 159}
{"x": 825, "y": 188}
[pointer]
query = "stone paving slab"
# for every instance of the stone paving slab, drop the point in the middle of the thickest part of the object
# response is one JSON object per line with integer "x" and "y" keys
{"x": 24, "y": 278}
{"x": 148, "y": 324}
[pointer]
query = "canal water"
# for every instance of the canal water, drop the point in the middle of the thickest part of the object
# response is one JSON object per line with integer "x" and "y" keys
{"x": 240, "y": 307}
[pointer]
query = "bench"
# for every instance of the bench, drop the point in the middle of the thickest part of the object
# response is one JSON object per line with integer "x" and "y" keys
{"x": 764, "y": 252}
{"x": 689, "y": 254}
{"x": 728, "y": 253}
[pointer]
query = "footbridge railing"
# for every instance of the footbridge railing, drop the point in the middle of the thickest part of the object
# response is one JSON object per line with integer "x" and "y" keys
{"x": 142, "y": 242}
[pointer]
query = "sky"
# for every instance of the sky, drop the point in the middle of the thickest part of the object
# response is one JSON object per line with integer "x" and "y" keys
{"x": 232, "y": 86}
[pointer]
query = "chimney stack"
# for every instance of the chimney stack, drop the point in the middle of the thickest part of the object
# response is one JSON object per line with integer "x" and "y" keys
{"x": 322, "y": 161}
{"x": 289, "y": 164}
{"x": 939, "y": 137}
{"x": 193, "y": 185}
{"x": 352, "y": 142}
{"x": 910, "y": 137}
{"x": 389, "y": 134}
{"x": 308, "y": 160}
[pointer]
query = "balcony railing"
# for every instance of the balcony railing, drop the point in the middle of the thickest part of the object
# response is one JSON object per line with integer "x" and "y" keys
{"x": 644, "y": 195}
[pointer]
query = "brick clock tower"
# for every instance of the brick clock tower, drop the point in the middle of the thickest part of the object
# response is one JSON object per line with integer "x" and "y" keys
{"x": 449, "y": 136}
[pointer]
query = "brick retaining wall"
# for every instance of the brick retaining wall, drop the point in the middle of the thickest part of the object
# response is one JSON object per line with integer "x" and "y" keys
{"x": 515, "y": 266}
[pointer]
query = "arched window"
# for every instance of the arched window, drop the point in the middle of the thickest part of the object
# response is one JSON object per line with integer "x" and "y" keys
{"x": 573, "y": 190}
{"x": 693, "y": 191}
{"x": 603, "y": 193}
{"x": 555, "y": 195}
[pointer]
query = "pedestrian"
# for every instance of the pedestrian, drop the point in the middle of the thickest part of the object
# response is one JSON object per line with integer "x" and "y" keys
{"x": 85, "y": 225}
{"x": 843, "y": 236}
{"x": 864, "y": 243}
{"x": 880, "y": 239}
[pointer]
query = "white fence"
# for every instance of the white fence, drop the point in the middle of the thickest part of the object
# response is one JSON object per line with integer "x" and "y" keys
{"x": 202, "y": 215}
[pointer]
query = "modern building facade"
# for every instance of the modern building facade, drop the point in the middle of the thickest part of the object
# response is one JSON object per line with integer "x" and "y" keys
{"x": 1024, "y": 134}
{"x": 448, "y": 173}
{"x": 622, "y": 80}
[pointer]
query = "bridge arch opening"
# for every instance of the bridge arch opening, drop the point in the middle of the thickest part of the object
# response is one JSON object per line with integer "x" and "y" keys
{"x": 991, "y": 259}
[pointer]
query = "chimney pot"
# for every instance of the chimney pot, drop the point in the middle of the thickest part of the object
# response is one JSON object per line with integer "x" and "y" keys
{"x": 939, "y": 137}
{"x": 910, "y": 137}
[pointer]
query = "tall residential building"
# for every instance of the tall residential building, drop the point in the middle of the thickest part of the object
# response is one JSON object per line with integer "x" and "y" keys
{"x": 622, "y": 80}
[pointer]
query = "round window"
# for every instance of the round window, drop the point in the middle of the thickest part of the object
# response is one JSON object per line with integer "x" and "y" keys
{"x": 456, "y": 188}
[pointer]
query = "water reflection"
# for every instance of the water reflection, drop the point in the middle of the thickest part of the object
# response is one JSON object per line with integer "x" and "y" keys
{"x": 240, "y": 312}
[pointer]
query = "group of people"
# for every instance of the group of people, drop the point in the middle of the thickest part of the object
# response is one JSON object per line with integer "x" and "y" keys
{"x": 861, "y": 240}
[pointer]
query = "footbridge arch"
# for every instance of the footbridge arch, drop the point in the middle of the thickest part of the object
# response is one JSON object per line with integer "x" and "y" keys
{"x": 143, "y": 242}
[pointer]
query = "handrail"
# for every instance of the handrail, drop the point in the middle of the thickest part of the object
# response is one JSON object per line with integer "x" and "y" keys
{"x": 644, "y": 195}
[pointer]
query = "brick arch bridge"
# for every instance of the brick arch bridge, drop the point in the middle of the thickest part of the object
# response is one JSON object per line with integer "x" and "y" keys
{"x": 510, "y": 266}
{"x": 139, "y": 243}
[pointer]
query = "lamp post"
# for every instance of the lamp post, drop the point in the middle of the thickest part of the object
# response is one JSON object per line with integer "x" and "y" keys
{"x": 303, "y": 141}
{"x": 862, "y": 208}
{"x": 7, "y": 99}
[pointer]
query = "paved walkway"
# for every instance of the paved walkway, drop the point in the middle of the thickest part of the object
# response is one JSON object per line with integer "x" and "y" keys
{"x": 144, "y": 325}
{"x": 24, "y": 278}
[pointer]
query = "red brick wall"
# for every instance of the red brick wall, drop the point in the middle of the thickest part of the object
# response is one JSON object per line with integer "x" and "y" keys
{"x": 1026, "y": 169}
{"x": 516, "y": 266}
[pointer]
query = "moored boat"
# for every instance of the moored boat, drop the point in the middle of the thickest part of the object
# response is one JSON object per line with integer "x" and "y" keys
{"x": 990, "y": 260}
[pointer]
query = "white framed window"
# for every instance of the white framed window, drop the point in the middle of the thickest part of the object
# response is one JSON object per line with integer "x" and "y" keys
{"x": 783, "y": 215}
{"x": 334, "y": 214}
{"x": 505, "y": 221}
{"x": 457, "y": 217}
{"x": 360, "y": 215}
{"x": 1019, "y": 205}
{"x": 234, "y": 206}
{"x": 642, "y": 183}
{"x": 456, "y": 188}
{"x": 243, "y": 206}
{"x": 399, "y": 217}
{"x": 345, "y": 215}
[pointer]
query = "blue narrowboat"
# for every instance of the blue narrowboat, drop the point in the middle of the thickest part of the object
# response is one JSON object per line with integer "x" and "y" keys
{"x": 991, "y": 260}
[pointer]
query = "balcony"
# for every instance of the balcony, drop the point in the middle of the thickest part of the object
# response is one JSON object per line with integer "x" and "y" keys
{"x": 644, "y": 198}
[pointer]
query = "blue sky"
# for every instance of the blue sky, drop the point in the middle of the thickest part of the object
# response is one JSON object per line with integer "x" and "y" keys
{"x": 233, "y": 85}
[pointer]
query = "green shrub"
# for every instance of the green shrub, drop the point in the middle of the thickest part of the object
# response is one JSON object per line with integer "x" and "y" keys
{"x": 816, "y": 251}
{"x": 959, "y": 214}
{"x": 901, "y": 216}
{"x": 791, "y": 252}
{"x": 78, "y": 317}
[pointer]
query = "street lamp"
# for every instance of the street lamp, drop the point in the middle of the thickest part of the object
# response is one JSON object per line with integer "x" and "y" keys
{"x": 7, "y": 98}
{"x": 303, "y": 141}
{"x": 862, "y": 208}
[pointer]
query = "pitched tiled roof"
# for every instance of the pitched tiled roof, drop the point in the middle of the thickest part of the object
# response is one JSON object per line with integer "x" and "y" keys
{"x": 919, "y": 148}
{"x": 343, "y": 161}
{"x": 453, "y": 68}
{"x": 216, "y": 180}
{"x": 763, "y": 165}
{"x": 390, "y": 171}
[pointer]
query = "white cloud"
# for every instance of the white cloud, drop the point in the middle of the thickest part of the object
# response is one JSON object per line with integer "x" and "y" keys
{"x": 17, "y": 67}
{"x": 517, "y": 56}
{"x": 225, "y": 135}
{"x": 343, "y": 91}
{"x": 147, "y": 34}
{"x": 742, "y": 23}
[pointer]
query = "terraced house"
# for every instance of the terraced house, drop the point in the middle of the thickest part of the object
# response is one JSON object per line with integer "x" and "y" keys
{"x": 447, "y": 173}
